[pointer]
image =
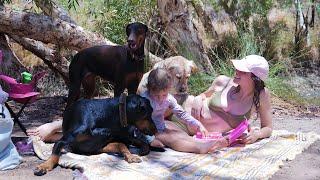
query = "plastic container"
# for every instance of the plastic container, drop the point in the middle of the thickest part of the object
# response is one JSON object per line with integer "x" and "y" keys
{"x": 238, "y": 131}
{"x": 211, "y": 136}
{"x": 26, "y": 77}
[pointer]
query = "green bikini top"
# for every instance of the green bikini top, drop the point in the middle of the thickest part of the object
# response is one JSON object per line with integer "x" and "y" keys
{"x": 215, "y": 105}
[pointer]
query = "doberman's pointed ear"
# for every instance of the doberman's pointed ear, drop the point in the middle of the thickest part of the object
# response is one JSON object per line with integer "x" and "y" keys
{"x": 145, "y": 28}
{"x": 128, "y": 29}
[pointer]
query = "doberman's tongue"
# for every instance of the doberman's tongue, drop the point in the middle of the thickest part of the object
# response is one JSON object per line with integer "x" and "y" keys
{"x": 133, "y": 45}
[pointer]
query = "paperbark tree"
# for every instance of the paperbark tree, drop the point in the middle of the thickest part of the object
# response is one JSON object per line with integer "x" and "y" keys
{"x": 183, "y": 34}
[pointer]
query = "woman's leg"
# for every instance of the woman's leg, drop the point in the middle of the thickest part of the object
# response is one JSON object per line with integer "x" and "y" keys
{"x": 49, "y": 132}
{"x": 178, "y": 140}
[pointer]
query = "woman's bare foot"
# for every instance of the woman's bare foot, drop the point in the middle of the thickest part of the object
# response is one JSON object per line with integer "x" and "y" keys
{"x": 209, "y": 146}
{"x": 48, "y": 132}
{"x": 156, "y": 143}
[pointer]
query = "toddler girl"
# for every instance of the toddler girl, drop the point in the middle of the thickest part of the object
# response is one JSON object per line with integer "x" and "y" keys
{"x": 159, "y": 82}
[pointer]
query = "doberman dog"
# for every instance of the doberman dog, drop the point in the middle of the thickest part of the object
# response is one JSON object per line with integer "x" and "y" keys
{"x": 95, "y": 126}
{"x": 123, "y": 65}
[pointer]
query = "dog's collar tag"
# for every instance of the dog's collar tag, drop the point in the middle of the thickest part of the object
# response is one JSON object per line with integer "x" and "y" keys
{"x": 122, "y": 110}
{"x": 140, "y": 58}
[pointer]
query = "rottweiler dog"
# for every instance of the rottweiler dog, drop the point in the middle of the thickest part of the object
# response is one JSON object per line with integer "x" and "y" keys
{"x": 123, "y": 66}
{"x": 95, "y": 126}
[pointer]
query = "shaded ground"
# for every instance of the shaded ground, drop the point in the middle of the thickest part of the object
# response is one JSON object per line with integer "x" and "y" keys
{"x": 286, "y": 116}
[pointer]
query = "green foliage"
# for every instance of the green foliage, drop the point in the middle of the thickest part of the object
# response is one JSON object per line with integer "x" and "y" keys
{"x": 285, "y": 3}
{"x": 199, "y": 83}
{"x": 241, "y": 10}
{"x": 5, "y": 1}
{"x": 317, "y": 7}
{"x": 284, "y": 91}
{"x": 73, "y": 4}
{"x": 249, "y": 8}
{"x": 112, "y": 16}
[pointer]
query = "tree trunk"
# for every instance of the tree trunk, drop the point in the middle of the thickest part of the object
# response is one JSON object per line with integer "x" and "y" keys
{"x": 48, "y": 30}
{"x": 205, "y": 18}
{"x": 302, "y": 37}
{"x": 10, "y": 64}
{"x": 182, "y": 32}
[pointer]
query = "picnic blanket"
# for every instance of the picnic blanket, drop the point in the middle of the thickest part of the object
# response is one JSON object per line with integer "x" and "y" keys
{"x": 255, "y": 161}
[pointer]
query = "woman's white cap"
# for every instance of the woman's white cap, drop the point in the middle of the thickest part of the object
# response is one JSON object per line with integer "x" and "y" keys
{"x": 255, "y": 64}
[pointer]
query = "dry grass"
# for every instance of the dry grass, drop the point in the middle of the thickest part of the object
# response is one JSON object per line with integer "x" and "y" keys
{"x": 27, "y": 58}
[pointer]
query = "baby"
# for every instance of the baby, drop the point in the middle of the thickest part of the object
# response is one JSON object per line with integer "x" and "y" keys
{"x": 159, "y": 83}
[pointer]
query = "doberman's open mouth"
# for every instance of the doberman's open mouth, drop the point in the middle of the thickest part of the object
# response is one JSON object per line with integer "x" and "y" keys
{"x": 132, "y": 45}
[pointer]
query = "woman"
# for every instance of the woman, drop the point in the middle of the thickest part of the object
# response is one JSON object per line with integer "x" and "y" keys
{"x": 229, "y": 101}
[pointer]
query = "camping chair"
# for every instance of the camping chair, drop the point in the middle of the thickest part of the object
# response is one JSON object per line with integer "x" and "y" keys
{"x": 21, "y": 93}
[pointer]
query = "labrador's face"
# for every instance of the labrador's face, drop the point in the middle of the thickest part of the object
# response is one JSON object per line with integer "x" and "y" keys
{"x": 180, "y": 69}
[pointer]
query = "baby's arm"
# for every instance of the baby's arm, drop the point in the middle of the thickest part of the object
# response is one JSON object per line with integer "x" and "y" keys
{"x": 184, "y": 116}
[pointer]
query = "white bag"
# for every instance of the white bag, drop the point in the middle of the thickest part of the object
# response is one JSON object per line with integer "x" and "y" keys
{"x": 9, "y": 157}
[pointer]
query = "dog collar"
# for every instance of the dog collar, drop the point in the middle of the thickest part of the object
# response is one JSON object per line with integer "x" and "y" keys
{"x": 122, "y": 110}
{"x": 138, "y": 58}
{"x": 134, "y": 56}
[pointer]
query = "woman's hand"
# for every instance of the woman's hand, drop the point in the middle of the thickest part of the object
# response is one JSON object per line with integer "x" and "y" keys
{"x": 219, "y": 144}
{"x": 252, "y": 137}
{"x": 197, "y": 106}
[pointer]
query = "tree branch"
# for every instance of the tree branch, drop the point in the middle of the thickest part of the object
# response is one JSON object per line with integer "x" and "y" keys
{"x": 53, "y": 10}
{"x": 57, "y": 64}
{"x": 49, "y": 30}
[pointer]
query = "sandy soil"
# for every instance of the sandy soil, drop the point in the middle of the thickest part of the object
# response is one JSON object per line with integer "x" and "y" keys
{"x": 286, "y": 116}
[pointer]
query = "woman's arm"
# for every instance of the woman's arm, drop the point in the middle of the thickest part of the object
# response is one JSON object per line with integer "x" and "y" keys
{"x": 265, "y": 114}
{"x": 265, "y": 119}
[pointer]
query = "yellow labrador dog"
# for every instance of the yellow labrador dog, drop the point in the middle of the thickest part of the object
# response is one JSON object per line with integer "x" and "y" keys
{"x": 180, "y": 69}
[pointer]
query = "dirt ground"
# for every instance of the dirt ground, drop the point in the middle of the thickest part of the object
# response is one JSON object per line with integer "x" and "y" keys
{"x": 285, "y": 116}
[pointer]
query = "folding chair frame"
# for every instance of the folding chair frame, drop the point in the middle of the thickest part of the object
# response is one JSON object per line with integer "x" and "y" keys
{"x": 17, "y": 115}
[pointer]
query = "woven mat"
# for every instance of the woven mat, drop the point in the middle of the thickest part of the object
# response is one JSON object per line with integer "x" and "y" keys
{"x": 255, "y": 161}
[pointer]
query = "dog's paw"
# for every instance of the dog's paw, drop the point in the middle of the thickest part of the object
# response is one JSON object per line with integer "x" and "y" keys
{"x": 144, "y": 150}
{"x": 42, "y": 169}
{"x": 133, "y": 158}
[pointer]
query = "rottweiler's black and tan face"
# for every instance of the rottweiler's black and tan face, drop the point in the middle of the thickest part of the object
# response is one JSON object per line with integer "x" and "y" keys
{"x": 139, "y": 110}
{"x": 136, "y": 33}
